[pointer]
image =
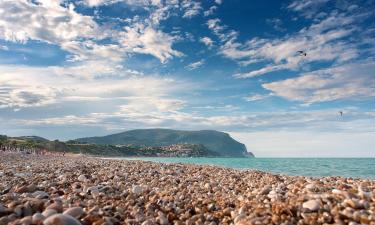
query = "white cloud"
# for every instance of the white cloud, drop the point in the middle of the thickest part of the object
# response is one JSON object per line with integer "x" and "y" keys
{"x": 192, "y": 8}
{"x": 259, "y": 72}
{"x": 302, "y": 5}
{"x": 195, "y": 65}
{"x": 322, "y": 41}
{"x": 53, "y": 23}
{"x": 276, "y": 23}
{"x": 94, "y": 3}
{"x": 218, "y": 107}
{"x": 18, "y": 97}
{"x": 220, "y": 30}
{"x": 65, "y": 120}
{"x": 26, "y": 86}
{"x": 89, "y": 50}
{"x": 352, "y": 81}
{"x": 147, "y": 40}
{"x": 214, "y": 25}
{"x": 256, "y": 97}
{"x": 207, "y": 41}
{"x": 210, "y": 11}
{"x": 307, "y": 8}
{"x": 45, "y": 21}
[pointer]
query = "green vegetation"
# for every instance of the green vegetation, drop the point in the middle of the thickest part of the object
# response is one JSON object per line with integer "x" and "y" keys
{"x": 146, "y": 142}
{"x": 37, "y": 145}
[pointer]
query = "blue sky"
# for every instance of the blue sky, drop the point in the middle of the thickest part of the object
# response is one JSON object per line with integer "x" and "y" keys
{"x": 71, "y": 69}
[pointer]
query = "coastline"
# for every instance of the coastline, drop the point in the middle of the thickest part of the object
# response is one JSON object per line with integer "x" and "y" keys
{"x": 109, "y": 191}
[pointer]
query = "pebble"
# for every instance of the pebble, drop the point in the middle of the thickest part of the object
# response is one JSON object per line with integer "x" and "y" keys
{"x": 2, "y": 208}
{"x": 48, "y": 212}
{"x": 272, "y": 194}
{"x": 26, "y": 220}
{"x": 310, "y": 187}
{"x": 61, "y": 219}
{"x": 266, "y": 189}
{"x": 162, "y": 219}
{"x": 40, "y": 194}
{"x": 82, "y": 178}
{"x": 312, "y": 205}
{"x": 56, "y": 206}
{"x": 148, "y": 222}
{"x": 37, "y": 218}
{"x": 137, "y": 189}
{"x": 75, "y": 212}
{"x": 239, "y": 218}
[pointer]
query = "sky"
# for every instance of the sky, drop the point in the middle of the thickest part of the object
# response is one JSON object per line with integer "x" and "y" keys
{"x": 71, "y": 69}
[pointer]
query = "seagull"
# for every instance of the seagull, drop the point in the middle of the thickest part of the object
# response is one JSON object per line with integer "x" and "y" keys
{"x": 302, "y": 53}
{"x": 341, "y": 113}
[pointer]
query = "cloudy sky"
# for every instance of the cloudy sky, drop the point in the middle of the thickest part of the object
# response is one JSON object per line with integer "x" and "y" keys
{"x": 72, "y": 69}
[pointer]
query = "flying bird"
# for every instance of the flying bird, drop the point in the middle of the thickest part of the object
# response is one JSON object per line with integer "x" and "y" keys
{"x": 302, "y": 53}
{"x": 341, "y": 113}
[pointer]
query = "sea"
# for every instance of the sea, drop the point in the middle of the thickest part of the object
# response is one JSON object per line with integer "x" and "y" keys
{"x": 313, "y": 167}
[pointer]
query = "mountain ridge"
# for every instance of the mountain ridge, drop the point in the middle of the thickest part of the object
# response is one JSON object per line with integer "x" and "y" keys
{"x": 216, "y": 141}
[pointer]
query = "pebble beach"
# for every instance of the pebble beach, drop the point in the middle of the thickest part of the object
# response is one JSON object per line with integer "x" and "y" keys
{"x": 57, "y": 190}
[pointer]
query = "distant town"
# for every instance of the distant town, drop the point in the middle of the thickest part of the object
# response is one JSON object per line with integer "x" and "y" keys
{"x": 39, "y": 146}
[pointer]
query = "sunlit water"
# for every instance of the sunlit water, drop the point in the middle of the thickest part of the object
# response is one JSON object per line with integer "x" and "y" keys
{"x": 315, "y": 167}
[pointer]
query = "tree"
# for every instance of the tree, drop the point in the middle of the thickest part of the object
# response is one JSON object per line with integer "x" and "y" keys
{"x": 3, "y": 141}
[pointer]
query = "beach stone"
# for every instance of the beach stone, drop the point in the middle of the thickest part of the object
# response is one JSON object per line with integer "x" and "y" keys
{"x": 272, "y": 194}
{"x": 148, "y": 222}
{"x": 95, "y": 193}
{"x": 26, "y": 220}
{"x": 18, "y": 210}
{"x": 31, "y": 188}
{"x": 266, "y": 189}
{"x": 49, "y": 212}
{"x": 4, "y": 220}
{"x": 162, "y": 219}
{"x": 37, "y": 218}
{"x": 82, "y": 178}
{"x": 75, "y": 212}
{"x": 3, "y": 210}
{"x": 37, "y": 205}
{"x": 364, "y": 194}
{"x": 21, "y": 189}
{"x": 61, "y": 219}
{"x": 239, "y": 218}
{"x": 353, "y": 223}
{"x": 137, "y": 189}
{"x": 27, "y": 210}
{"x": 40, "y": 194}
{"x": 56, "y": 206}
{"x": 310, "y": 187}
{"x": 91, "y": 189}
{"x": 312, "y": 205}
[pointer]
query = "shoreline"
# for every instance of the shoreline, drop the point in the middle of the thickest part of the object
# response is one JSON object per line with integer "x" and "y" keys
{"x": 93, "y": 190}
{"x": 282, "y": 168}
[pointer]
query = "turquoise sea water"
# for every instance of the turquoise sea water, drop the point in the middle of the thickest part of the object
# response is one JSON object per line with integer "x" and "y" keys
{"x": 315, "y": 167}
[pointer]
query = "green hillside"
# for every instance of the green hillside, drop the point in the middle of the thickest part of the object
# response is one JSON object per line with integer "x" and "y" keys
{"x": 215, "y": 141}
